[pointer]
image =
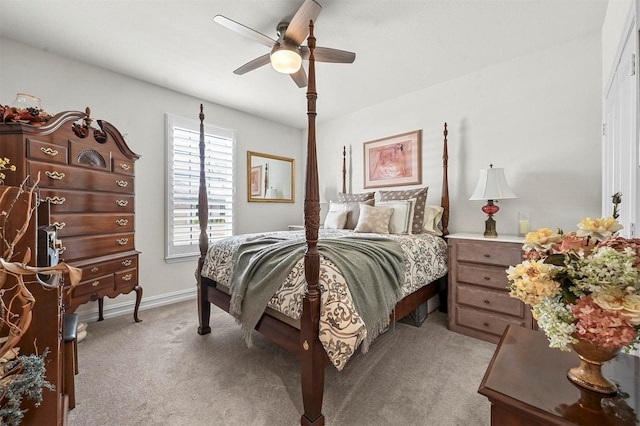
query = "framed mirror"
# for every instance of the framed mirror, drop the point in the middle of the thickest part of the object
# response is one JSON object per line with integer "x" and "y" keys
{"x": 270, "y": 178}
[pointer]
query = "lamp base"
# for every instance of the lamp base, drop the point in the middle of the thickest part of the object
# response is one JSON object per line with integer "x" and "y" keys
{"x": 490, "y": 228}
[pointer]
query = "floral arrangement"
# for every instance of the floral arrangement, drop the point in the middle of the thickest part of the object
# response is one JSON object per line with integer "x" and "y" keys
{"x": 35, "y": 116}
{"x": 584, "y": 284}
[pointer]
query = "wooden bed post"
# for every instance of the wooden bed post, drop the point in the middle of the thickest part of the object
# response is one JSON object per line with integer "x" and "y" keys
{"x": 344, "y": 169}
{"x": 312, "y": 354}
{"x": 444, "y": 200}
{"x": 204, "y": 307}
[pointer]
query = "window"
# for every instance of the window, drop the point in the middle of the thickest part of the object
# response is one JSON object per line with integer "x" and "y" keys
{"x": 183, "y": 178}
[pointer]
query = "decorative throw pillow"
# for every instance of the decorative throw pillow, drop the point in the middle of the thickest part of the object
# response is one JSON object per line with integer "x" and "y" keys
{"x": 337, "y": 216}
{"x": 432, "y": 218}
{"x": 355, "y": 198}
{"x": 419, "y": 194}
{"x": 401, "y": 219}
{"x": 353, "y": 212}
{"x": 374, "y": 219}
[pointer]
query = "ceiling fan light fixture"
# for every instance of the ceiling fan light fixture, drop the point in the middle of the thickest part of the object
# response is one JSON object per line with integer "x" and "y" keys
{"x": 285, "y": 59}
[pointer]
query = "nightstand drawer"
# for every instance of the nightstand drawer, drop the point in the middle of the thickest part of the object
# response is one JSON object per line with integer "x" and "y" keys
{"x": 486, "y": 322}
{"x": 491, "y": 300}
{"x": 489, "y": 276}
{"x": 497, "y": 253}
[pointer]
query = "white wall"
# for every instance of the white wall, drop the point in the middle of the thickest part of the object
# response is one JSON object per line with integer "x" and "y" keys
{"x": 137, "y": 109}
{"x": 538, "y": 116}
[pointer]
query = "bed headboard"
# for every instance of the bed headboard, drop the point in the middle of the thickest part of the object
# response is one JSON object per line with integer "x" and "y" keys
{"x": 444, "y": 199}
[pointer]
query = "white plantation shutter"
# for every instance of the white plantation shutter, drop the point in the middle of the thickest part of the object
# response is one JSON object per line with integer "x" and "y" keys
{"x": 183, "y": 178}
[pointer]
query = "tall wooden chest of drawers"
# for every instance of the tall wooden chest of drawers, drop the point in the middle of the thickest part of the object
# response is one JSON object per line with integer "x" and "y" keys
{"x": 86, "y": 173}
{"x": 479, "y": 301}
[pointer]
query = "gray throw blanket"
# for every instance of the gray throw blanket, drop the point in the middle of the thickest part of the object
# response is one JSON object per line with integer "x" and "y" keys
{"x": 373, "y": 268}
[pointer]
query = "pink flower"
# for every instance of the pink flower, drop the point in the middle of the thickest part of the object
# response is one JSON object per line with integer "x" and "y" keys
{"x": 602, "y": 327}
{"x": 572, "y": 243}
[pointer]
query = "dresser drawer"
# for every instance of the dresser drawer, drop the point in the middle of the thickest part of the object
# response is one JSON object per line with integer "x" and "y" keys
{"x": 72, "y": 224}
{"x": 497, "y": 253}
{"x": 123, "y": 166}
{"x": 93, "y": 286}
{"x": 96, "y": 245}
{"x": 488, "y": 276}
{"x": 92, "y": 270}
{"x": 67, "y": 177}
{"x": 46, "y": 151}
{"x": 487, "y": 322}
{"x": 127, "y": 278}
{"x": 63, "y": 201}
{"x": 491, "y": 300}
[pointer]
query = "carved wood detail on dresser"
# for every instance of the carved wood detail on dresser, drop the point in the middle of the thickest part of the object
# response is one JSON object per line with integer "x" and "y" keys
{"x": 87, "y": 174}
{"x": 479, "y": 301}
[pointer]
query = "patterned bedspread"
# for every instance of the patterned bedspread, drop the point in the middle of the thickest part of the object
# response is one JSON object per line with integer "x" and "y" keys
{"x": 341, "y": 328}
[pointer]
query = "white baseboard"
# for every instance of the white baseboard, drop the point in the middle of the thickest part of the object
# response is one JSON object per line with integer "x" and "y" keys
{"x": 126, "y": 308}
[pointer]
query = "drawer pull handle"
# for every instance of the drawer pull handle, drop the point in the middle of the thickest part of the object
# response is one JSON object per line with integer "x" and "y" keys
{"x": 122, "y": 183}
{"x": 54, "y": 175}
{"x": 487, "y": 301}
{"x": 122, "y": 222}
{"x": 56, "y": 200}
{"x": 122, "y": 203}
{"x": 122, "y": 241}
{"x": 125, "y": 166}
{"x": 487, "y": 255}
{"x": 486, "y": 324}
{"x": 95, "y": 284}
{"x": 487, "y": 278}
{"x": 127, "y": 277}
{"x": 127, "y": 262}
{"x": 49, "y": 151}
{"x": 58, "y": 225}
{"x": 94, "y": 269}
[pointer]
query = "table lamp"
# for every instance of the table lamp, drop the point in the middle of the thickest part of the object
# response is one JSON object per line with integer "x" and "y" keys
{"x": 491, "y": 186}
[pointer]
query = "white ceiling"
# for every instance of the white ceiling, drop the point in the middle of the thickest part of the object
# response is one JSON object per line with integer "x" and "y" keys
{"x": 401, "y": 45}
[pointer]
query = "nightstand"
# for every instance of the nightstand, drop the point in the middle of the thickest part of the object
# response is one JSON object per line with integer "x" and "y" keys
{"x": 479, "y": 301}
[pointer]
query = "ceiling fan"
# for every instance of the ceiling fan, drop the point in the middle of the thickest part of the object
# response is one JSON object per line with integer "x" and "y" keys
{"x": 286, "y": 52}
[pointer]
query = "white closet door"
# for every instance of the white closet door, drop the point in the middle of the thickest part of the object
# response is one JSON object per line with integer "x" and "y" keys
{"x": 620, "y": 142}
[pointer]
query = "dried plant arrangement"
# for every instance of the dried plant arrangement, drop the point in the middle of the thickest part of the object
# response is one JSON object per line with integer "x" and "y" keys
{"x": 21, "y": 374}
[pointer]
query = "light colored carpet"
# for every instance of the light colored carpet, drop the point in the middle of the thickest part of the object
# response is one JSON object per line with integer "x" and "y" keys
{"x": 161, "y": 372}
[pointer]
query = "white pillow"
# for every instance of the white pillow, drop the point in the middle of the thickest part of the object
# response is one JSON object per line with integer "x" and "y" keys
{"x": 337, "y": 216}
{"x": 432, "y": 218}
{"x": 401, "y": 219}
{"x": 335, "y": 220}
{"x": 374, "y": 219}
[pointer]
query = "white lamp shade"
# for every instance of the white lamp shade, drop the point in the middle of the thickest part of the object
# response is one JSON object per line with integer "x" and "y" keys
{"x": 271, "y": 193}
{"x": 285, "y": 59}
{"x": 492, "y": 185}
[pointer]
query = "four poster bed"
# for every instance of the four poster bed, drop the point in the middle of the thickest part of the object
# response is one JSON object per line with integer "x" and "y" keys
{"x": 301, "y": 316}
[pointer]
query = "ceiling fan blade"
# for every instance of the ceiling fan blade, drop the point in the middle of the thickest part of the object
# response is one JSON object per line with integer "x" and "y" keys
{"x": 300, "y": 77}
{"x": 244, "y": 30}
{"x": 327, "y": 54}
{"x": 298, "y": 28}
{"x": 252, "y": 65}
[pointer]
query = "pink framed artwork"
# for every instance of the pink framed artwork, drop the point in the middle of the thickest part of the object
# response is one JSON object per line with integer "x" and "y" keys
{"x": 393, "y": 161}
{"x": 256, "y": 181}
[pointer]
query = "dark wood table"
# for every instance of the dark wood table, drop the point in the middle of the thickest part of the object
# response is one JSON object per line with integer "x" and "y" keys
{"x": 527, "y": 385}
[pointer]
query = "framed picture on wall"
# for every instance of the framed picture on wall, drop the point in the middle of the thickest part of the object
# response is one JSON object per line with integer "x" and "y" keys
{"x": 393, "y": 161}
{"x": 256, "y": 181}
